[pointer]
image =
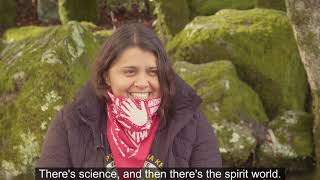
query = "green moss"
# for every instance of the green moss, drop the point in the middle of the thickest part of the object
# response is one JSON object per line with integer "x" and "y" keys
{"x": 289, "y": 142}
{"x": 259, "y": 42}
{"x": 38, "y": 76}
{"x": 172, "y": 16}
{"x": 7, "y": 14}
{"x": 89, "y": 25}
{"x": 217, "y": 83}
{"x": 102, "y": 35}
{"x": 231, "y": 106}
{"x": 78, "y": 10}
{"x": 210, "y": 7}
{"x": 16, "y": 34}
{"x": 272, "y": 4}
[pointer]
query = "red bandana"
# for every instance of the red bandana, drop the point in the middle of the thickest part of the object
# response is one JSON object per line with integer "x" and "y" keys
{"x": 131, "y": 127}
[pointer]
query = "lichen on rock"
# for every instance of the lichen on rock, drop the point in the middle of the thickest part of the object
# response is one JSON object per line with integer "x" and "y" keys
{"x": 289, "y": 142}
{"x": 236, "y": 142}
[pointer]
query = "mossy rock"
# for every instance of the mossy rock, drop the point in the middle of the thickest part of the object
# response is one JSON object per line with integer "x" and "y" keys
{"x": 260, "y": 43}
{"x": 78, "y": 10}
{"x": 272, "y": 4}
{"x": 102, "y": 35}
{"x": 38, "y": 76}
{"x": 89, "y": 25}
{"x": 231, "y": 106}
{"x": 172, "y": 16}
{"x": 7, "y": 14}
{"x": 17, "y": 34}
{"x": 289, "y": 142}
{"x": 236, "y": 143}
{"x": 210, "y": 7}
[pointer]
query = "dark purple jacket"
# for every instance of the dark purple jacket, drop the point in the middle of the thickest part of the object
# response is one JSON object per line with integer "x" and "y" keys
{"x": 77, "y": 136}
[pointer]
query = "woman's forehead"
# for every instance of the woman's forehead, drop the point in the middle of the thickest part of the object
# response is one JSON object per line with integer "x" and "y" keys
{"x": 136, "y": 57}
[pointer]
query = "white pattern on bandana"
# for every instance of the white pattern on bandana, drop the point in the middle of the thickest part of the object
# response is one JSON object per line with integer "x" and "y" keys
{"x": 135, "y": 117}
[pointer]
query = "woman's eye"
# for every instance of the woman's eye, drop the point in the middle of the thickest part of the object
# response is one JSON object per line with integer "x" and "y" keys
{"x": 129, "y": 72}
{"x": 154, "y": 72}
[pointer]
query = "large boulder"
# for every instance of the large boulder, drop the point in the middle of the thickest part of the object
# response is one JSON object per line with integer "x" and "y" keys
{"x": 260, "y": 43}
{"x": 289, "y": 142}
{"x": 7, "y": 13}
{"x": 78, "y": 10}
{"x": 231, "y": 106}
{"x": 210, "y": 7}
{"x": 38, "y": 76}
{"x": 172, "y": 16}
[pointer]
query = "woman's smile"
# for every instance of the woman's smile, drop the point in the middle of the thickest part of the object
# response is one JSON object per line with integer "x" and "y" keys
{"x": 139, "y": 95}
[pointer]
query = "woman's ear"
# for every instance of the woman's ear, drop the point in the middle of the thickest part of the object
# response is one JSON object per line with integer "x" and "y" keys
{"x": 106, "y": 79}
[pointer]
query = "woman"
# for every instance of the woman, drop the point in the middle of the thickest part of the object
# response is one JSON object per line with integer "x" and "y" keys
{"x": 136, "y": 112}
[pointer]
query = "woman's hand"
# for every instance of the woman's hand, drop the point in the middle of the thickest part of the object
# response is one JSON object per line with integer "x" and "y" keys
{"x": 134, "y": 114}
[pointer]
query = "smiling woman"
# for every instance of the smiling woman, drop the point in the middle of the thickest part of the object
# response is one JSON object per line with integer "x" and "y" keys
{"x": 134, "y": 113}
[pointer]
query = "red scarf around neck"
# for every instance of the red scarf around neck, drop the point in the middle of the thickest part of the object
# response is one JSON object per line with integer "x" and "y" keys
{"x": 131, "y": 127}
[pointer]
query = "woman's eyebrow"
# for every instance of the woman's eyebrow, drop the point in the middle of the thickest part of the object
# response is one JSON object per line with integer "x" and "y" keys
{"x": 153, "y": 67}
{"x": 134, "y": 67}
{"x": 129, "y": 67}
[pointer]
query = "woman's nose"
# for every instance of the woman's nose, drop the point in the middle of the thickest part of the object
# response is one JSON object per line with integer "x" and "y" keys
{"x": 141, "y": 82}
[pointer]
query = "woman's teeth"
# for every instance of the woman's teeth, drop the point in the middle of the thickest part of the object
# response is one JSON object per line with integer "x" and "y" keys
{"x": 140, "y": 95}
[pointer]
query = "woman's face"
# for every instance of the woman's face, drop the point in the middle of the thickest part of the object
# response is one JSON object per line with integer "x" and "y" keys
{"x": 134, "y": 75}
